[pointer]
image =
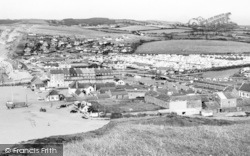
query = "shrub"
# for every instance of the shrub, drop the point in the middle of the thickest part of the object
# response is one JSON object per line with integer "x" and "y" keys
{"x": 116, "y": 115}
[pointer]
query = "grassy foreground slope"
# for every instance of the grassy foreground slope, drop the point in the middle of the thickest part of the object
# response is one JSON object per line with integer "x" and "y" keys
{"x": 193, "y": 47}
{"x": 164, "y": 136}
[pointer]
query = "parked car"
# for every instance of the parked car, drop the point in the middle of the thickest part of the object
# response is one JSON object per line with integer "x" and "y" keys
{"x": 40, "y": 98}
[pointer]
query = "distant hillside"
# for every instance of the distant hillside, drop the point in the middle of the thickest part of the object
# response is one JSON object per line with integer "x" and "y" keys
{"x": 23, "y": 21}
{"x": 131, "y": 22}
{"x": 89, "y": 21}
{"x": 8, "y": 21}
{"x": 156, "y": 22}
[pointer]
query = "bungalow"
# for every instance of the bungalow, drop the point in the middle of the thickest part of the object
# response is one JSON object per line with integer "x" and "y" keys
{"x": 119, "y": 82}
{"x": 37, "y": 83}
{"x": 186, "y": 105}
{"x": 85, "y": 88}
{"x": 79, "y": 93}
{"x": 244, "y": 90}
{"x": 136, "y": 91}
{"x": 118, "y": 94}
{"x": 53, "y": 96}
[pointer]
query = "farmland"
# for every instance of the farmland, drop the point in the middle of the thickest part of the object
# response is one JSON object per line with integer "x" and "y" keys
{"x": 193, "y": 47}
{"x": 61, "y": 30}
{"x": 137, "y": 28}
{"x": 84, "y": 32}
{"x": 166, "y": 31}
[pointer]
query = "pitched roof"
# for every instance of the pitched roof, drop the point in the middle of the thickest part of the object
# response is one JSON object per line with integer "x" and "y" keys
{"x": 72, "y": 71}
{"x": 186, "y": 98}
{"x": 103, "y": 71}
{"x": 78, "y": 71}
{"x": 53, "y": 92}
{"x": 101, "y": 85}
{"x": 245, "y": 87}
{"x": 87, "y": 71}
{"x": 103, "y": 96}
{"x": 78, "y": 85}
{"x": 118, "y": 92}
{"x": 78, "y": 92}
{"x": 66, "y": 71}
{"x": 229, "y": 96}
{"x": 56, "y": 71}
{"x": 151, "y": 93}
{"x": 163, "y": 97}
{"x": 212, "y": 105}
{"x": 70, "y": 99}
{"x": 36, "y": 80}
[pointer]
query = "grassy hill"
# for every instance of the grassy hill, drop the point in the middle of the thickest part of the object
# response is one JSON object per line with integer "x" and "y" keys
{"x": 167, "y": 135}
{"x": 90, "y": 21}
{"x": 8, "y": 21}
{"x": 193, "y": 47}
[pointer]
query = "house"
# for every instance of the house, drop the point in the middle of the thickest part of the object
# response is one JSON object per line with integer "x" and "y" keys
{"x": 244, "y": 90}
{"x": 120, "y": 94}
{"x": 79, "y": 93}
{"x": 119, "y": 82}
{"x": 247, "y": 74}
{"x": 83, "y": 87}
{"x": 102, "y": 96}
{"x": 53, "y": 96}
{"x": 37, "y": 83}
{"x": 161, "y": 100}
{"x": 70, "y": 99}
{"x": 226, "y": 100}
{"x": 185, "y": 105}
{"x": 136, "y": 91}
{"x": 104, "y": 75}
{"x": 56, "y": 78}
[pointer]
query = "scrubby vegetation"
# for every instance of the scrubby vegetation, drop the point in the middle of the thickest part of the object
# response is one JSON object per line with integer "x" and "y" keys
{"x": 166, "y": 135}
{"x": 172, "y": 135}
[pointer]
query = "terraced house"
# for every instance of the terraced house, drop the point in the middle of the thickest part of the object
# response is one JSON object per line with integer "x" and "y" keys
{"x": 61, "y": 78}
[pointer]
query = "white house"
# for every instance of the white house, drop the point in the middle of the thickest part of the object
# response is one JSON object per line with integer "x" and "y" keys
{"x": 119, "y": 82}
{"x": 56, "y": 78}
{"x": 244, "y": 90}
{"x": 53, "y": 96}
{"x": 86, "y": 88}
{"x": 185, "y": 105}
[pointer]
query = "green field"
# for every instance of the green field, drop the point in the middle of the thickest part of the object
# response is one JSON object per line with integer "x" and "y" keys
{"x": 166, "y": 31}
{"x": 84, "y": 32}
{"x": 137, "y": 28}
{"x": 65, "y": 30}
{"x": 193, "y": 47}
{"x": 221, "y": 74}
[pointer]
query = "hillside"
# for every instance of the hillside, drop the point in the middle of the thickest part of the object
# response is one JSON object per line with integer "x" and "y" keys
{"x": 90, "y": 21}
{"x": 166, "y": 135}
{"x": 193, "y": 47}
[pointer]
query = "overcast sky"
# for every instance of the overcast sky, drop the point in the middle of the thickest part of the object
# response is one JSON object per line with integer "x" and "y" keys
{"x": 169, "y": 10}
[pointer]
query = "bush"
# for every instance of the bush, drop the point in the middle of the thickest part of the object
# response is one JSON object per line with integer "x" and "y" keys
{"x": 116, "y": 115}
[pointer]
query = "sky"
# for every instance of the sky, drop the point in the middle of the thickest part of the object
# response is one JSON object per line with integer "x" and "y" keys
{"x": 167, "y": 10}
